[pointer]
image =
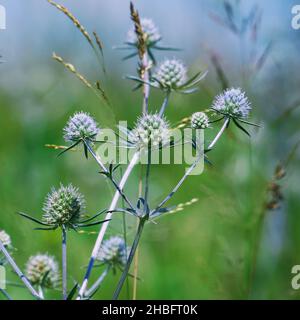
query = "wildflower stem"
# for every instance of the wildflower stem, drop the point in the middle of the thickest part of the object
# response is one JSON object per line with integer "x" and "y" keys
{"x": 64, "y": 263}
{"x": 41, "y": 293}
{"x": 165, "y": 103}
{"x": 136, "y": 256}
{"x": 104, "y": 226}
{"x": 5, "y": 294}
{"x": 125, "y": 233}
{"x": 19, "y": 272}
{"x": 98, "y": 160}
{"x": 145, "y": 78}
{"x": 217, "y": 137}
{"x": 97, "y": 284}
{"x": 147, "y": 176}
{"x": 191, "y": 168}
{"x": 130, "y": 258}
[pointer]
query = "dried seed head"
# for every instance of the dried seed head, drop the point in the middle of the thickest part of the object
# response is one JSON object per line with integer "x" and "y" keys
{"x": 63, "y": 207}
{"x": 151, "y": 32}
{"x": 5, "y": 238}
{"x": 199, "y": 120}
{"x": 42, "y": 270}
{"x": 113, "y": 251}
{"x": 150, "y": 130}
{"x": 171, "y": 73}
{"x": 232, "y": 102}
{"x": 80, "y": 126}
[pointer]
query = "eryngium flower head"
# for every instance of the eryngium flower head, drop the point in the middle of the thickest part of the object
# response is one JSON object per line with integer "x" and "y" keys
{"x": 63, "y": 207}
{"x": 42, "y": 270}
{"x": 232, "y": 102}
{"x": 150, "y": 130}
{"x": 81, "y": 126}
{"x": 113, "y": 251}
{"x": 199, "y": 120}
{"x": 149, "y": 29}
{"x": 5, "y": 238}
{"x": 171, "y": 74}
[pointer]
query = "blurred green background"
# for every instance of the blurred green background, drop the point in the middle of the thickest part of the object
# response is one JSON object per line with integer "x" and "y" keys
{"x": 225, "y": 246}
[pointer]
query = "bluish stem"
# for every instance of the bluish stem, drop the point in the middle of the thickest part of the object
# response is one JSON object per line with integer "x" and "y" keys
{"x": 18, "y": 271}
{"x": 6, "y": 295}
{"x": 130, "y": 258}
{"x": 164, "y": 105}
{"x": 64, "y": 263}
{"x": 99, "y": 281}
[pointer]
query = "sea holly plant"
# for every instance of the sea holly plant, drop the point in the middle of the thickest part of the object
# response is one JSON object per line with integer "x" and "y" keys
{"x": 65, "y": 207}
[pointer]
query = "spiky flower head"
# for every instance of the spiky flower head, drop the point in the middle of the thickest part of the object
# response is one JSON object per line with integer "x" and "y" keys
{"x": 42, "y": 270}
{"x": 150, "y": 30}
{"x": 232, "y": 102}
{"x": 199, "y": 120}
{"x": 150, "y": 130}
{"x": 81, "y": 126}
{"x": 113, "y": 251}
{"x": 171, "y": 74}
{"x": 63, "y": 207}
{"x": 5, "y": 238}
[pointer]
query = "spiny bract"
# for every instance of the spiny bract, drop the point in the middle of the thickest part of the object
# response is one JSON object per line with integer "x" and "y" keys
{"x": 42, "y": 270}
{"x": 150, "y": 30}
{"x": 199, "y": 120}
{"x": 113, "y": 251}
{"x": 232, "y": 102}
{"x": 81, "y": 126}
{"x": 5, "y": 238}
{"x": 150, "y": 130}
{"x": 171, "y": 73}
{"x": 63, "y": 207}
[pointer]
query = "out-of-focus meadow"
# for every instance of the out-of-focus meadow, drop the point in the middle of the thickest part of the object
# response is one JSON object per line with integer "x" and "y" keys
{"x": 225, "y": 246}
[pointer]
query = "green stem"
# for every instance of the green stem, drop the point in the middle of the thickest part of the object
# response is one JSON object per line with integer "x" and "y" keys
{"x": 64, "y": 263}
{"x": 130, "y": 258}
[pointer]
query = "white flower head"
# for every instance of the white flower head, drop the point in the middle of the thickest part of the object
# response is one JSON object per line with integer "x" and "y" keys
{"x": 150, "y": 130}
{"x": 113, "y": 251}
{"x": 42, "y": 269}
{"x": 5, "y": 238}
{"x": 150, "y": 30}
{"x": 199, "y": 120}
{"x": 171, "y": 73}
{"x": 80, "y": 126}
{"x": 232, "y": 102}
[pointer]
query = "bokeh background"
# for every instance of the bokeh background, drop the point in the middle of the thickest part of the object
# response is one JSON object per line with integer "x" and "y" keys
{"x": 240, "y": 240}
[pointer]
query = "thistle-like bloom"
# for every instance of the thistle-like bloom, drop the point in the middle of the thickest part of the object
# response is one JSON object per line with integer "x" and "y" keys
{"x": 150, "y": 130}
{"x": 150, "y": 30}
{"x": 171, "y": 74}
{"x": 113, "y": 252}
{"x": 199, "y": 120}
{"x": 42, "y": 270}
{"x": 63, "y": 207}
{"x": 81, "y": 126}
{"x": 233, "y": 103}
{"x": 5, "y": 238}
